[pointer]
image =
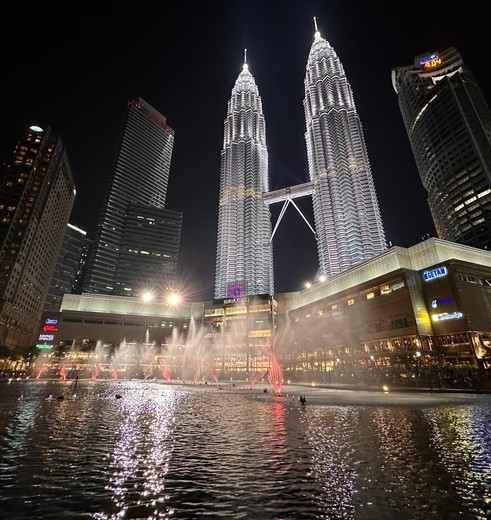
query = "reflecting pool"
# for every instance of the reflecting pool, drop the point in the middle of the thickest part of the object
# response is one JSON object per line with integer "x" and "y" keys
{"x": 149, "y": 449}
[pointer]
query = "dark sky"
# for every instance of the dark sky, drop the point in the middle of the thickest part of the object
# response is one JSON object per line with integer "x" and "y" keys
{"x": 75, "y": 66}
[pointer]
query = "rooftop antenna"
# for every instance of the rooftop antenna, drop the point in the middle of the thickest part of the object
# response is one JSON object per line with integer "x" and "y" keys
{"x": 315, "y": 24}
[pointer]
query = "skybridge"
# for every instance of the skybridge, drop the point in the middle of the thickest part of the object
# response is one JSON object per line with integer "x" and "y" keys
{"x": 286, "y": 195}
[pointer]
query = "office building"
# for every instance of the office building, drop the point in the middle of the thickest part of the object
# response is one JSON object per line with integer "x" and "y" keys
{"x": 136, "y": 244}
{"x": 348, "y": 223}
{"x": 36, "y": 198}
{"x": 448, "y": 122}
{"x": 244, "y": 260}
{"x": 68, "y": 267}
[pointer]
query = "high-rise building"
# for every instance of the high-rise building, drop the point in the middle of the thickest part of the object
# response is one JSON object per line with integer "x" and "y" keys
{"x": 67, "y": 268}
{"x": 136, "y": 244}
{"x": 448, "y": 122}
{"x": 244, "y": 262}
{"x": 37, "y": 193}
{"x": 347, "y": 217}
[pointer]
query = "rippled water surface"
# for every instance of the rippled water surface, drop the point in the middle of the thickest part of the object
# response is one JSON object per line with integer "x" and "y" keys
{"x": 148, "y": 450}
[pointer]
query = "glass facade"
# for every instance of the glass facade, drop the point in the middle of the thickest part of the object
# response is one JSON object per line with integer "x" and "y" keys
{"x": 448, "y": 123}
{"x": 137, "y": 240}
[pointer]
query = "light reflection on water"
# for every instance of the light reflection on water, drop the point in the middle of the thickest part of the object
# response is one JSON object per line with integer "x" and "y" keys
{"x": 149, "y": 450}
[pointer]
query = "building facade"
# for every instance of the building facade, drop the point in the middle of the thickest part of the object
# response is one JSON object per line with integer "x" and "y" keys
{"x": 417, "y": 316}
{"x": 36, "y": 198}
{"x": 68, "y": 267}
{"x": 408, "y": 315}
{"x": 244, "y": 260}
{"x": 348, "y": 224}
{"x": 136, "y": 244}
{"x": 448, "y": 122}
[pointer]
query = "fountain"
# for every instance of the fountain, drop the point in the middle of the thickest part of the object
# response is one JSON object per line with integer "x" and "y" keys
{"x": 199, "y": 355}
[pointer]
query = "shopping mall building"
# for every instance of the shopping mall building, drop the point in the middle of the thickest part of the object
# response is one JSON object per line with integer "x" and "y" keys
{"x": 404, "y": 311}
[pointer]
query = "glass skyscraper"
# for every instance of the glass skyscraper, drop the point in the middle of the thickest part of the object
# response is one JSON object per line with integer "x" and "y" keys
{"x": 448, "y": 122}
{"x": 136, "y": 245}
{"x": 244, "y": 261}
{"x": 348, "y": 223}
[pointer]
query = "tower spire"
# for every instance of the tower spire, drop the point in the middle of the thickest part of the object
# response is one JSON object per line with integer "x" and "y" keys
{"x": 315, "y": 24}
{"x": 245, "y": 66}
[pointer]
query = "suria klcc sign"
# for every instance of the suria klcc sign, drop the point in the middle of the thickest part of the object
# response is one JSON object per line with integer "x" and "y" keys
{"x": 435, "y": 273}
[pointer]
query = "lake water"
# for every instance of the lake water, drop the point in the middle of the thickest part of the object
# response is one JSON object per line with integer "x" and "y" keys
{"x": 154, "y": 450}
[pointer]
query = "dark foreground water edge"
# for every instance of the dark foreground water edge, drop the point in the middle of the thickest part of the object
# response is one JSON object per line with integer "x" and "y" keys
{"x": 154, "y": 450}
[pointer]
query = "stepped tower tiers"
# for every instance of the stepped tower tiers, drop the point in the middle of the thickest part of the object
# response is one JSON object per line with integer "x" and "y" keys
{"x": 348, "y": 222}
{"x": 244, "y": 261}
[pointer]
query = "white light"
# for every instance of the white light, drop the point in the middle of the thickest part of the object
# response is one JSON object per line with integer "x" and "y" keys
{"x": 147, "y": 296}
{"x": 174, "y": 299}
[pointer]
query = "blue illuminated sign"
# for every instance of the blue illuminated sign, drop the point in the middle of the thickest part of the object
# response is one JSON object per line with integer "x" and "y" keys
{"x": 435, "y": 273}
{"x": 436, "y": 303}
{"x": 428, "y": 58}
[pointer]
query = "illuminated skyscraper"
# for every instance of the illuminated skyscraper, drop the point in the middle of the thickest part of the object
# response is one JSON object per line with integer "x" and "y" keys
{"x": 244, "y": 262}
{"x": 37, "y": 193}
{"x": 136, "y": 245}
{"x": 348, "y": 223}
{"x": 448, "y": 122}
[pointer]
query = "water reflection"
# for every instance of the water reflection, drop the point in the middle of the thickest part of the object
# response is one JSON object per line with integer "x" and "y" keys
{"x": 141, "y": 449}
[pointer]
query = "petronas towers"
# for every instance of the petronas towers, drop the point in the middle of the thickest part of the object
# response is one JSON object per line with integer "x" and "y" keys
{"x": 244, "y": 262}
{"x": 348, "y": 224}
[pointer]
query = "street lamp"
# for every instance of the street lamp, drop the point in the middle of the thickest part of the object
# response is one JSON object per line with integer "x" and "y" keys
{"x": 147, "y": 296}
{"x": 174, "y": 298}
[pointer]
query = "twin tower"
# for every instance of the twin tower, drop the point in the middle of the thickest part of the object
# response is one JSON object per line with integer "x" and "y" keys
{"x": 347, "y": 220}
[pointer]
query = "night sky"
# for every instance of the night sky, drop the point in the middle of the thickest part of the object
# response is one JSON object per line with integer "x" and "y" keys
{"x": 75, "y": 66}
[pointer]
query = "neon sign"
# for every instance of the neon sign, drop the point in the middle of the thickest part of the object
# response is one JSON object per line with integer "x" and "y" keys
{"x": 50, "y": 328}
{"x": 447, "y": 316}
{"x": 236, "y": 291}
{"x": 429, "y": 62}
{"x": 46, "y": 337}
{"x": 436, "y": 303}
{"x": 435, "y": 273}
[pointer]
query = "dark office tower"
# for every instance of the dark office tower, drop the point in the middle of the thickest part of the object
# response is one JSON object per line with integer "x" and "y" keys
{"x": 347, "y": 218}
{"x": 67, "y": 267}
{"x": 37, "y": 193}
{"x": 244, "y": 262}
{"x": 137, "y": 241}
{"x": 448, "y": 122}
{"x": 78, "y": 284}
